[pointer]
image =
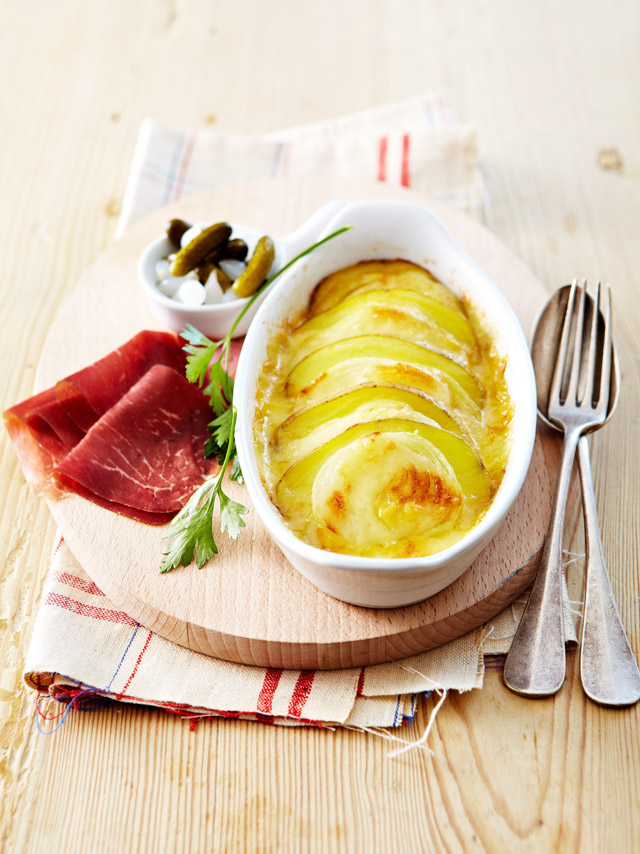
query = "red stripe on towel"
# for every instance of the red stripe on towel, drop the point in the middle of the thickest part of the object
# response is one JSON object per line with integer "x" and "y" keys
{"x": 135, "y": 666}
{"x": 75, "y": 607}
{"x": 382, "y": 158}
{"x": 404, "y": 178}
{"x": 269, "y": 686}
{"x": 79, "y": 583}
{"x": 301, "y": 693}
{"x": 186, "y": 159}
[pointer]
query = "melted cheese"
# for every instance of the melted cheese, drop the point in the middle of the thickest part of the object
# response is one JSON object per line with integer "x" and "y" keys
{"x": 383, "y": 419}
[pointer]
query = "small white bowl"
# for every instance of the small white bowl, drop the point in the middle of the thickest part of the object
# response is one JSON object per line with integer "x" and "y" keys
{"x": 388, "y": 229}
{"x": 216, "y": 320}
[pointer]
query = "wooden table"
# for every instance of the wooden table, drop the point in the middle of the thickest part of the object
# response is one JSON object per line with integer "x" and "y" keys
{"x": 553, "y": 90}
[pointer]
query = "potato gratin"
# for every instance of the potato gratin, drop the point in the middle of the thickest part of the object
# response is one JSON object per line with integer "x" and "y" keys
{"x": 383, "y": 419}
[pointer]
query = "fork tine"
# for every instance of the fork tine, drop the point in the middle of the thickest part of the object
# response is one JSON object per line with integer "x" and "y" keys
{"x": 605, "y": 375}
{"x": 561, "y": 358}
{"x": 587, "y": 397}
{"x": 574, "y": 376}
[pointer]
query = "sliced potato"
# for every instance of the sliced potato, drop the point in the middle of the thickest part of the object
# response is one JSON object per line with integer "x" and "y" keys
{"x": 309, "y": 418}
{"x": 382, "y": 273}
{"x": 469, "y": 470}
{"x": 317, "y": 364}
{"x": 386, "y": 479}
{"x": 313, "y": 426}
{"x": 382, "y": 490}
{"x": 442, "y": 388}
{"x": 394, "y": 307}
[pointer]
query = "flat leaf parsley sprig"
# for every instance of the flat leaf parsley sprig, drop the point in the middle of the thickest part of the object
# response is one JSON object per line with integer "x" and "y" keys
{"x": 191, "y": 530}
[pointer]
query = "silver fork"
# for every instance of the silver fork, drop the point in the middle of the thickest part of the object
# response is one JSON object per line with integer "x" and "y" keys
{"x": 535, "y": 665}
{"x": 608, "y": 669}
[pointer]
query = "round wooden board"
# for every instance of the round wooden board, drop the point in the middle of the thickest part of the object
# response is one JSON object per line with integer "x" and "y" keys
{"x": 248, "y": 604}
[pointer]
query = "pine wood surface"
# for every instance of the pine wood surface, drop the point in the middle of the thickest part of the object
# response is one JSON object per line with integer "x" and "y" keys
{"x": 248, "y": 604}
{"x": 552, "y": 89}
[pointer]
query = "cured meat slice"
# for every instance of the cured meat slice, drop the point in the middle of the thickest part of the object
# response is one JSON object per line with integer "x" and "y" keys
{"x": 42, "y": 428}
{"x": 54, "y": 429}
{"x": 45, "y": 428}
{"x": 144, "y": 457}
{"x": 37, "y": 463}
{"x": 89, "y": 393}
{"x": 115, "y": 506}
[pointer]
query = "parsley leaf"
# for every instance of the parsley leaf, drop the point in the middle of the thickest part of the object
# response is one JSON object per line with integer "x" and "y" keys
{"x": 192, "y": 529}
{"x": 231, "y": 519}
{"x": 236, "y": 471}
{"x": 201, "y": 351}
{"x": 222, "y": 431}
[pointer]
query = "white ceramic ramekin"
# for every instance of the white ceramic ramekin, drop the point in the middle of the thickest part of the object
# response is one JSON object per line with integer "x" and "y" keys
{"x": 388, "y": 229}
{"x": 216, "y": 320}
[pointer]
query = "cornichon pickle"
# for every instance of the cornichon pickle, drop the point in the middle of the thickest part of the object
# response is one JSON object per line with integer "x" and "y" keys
{"x": 204, "y": 270}
{"x": 191, "y": 255}
{"x": 175, "y": 229}
{"x": 235, "y": 249}
{"x": 223, "y": 280}
{"x": 257, "y": 268}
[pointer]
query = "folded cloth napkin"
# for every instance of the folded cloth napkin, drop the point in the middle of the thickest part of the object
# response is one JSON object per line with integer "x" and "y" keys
{"x": 413, "y": 143}
{"x": 83, "y": 646}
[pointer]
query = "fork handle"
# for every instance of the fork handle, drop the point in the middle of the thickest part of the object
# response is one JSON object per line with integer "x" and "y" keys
{"x": 536, "y": 665}
{"x": 608, "y": 669}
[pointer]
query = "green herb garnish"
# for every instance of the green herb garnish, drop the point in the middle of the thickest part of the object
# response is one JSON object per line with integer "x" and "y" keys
{"x": 192, "y": 528}
{"x": 191, "y": 531}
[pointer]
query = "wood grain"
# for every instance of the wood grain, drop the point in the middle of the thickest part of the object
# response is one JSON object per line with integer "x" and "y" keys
{"x": 549, "y": 86}
{"x": 248, "y": 604}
